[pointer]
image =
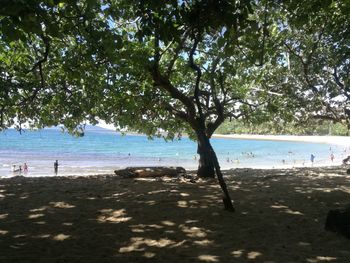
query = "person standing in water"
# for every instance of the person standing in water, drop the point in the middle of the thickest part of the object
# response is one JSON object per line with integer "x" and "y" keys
{"x": 25, "y": 168}
{"x": 55, "y": 166}
{"x": 312, "y": 159}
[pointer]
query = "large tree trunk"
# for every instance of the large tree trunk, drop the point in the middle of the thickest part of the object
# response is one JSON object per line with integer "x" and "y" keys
{"x": 206, "y": 165}
{"x": 209, "y": 165}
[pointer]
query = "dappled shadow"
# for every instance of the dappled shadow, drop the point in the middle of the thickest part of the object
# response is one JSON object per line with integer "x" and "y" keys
{"x": 279, "y": 218}
{"x": 284, "y": 212}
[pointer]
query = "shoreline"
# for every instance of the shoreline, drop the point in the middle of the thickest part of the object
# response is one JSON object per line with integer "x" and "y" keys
{"x": 327, "y": 139}
{"x": 226, "y": 171}
{"x": 267, "y": 156}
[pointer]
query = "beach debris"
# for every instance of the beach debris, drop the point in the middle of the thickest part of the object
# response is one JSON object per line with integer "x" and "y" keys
{"x": 158, "y": 171}
{"x": 338, "y": 221}
{"x": 346, "y": 160}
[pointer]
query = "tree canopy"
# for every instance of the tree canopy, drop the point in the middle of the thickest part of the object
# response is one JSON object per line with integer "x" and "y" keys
{"x": 173, "y": 66}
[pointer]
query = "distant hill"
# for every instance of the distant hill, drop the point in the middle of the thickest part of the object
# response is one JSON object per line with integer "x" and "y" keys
{"x": 88, "y": 129}
{"x": 96, "y": 128}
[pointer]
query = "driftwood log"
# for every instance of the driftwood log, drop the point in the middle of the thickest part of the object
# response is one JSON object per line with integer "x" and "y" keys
{"x": 159, "y": 171}
{"x": 346, "y": 160}
{"x": 338, "y": 221}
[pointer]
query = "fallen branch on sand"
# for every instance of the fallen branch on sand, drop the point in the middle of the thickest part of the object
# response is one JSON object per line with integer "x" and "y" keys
{"x": 158, "y": 171}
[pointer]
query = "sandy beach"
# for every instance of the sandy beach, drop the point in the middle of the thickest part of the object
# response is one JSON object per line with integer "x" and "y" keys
{"x": 337, "y": 140}
{"x": 279, "y": 217}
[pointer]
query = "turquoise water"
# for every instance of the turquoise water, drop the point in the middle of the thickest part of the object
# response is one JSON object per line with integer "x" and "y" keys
{"x": 102, "y": 151}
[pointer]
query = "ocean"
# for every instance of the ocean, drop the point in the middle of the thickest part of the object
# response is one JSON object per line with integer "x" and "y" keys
{"x": 101, "y": 151}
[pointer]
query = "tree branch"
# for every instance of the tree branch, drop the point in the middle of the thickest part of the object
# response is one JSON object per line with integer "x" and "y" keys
{"x": 199, "y": 75}
{"x": 164, "y": 83}
{"x": 212, "y": 126}
{"x": 178, "y": 113}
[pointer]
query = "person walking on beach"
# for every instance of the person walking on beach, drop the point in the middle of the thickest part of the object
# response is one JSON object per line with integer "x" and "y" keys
{"x": 332, "y": 157}
{"x": 312, "y": 159}
{"x": 25, "y": 168}
{"x": 55, "y": 166}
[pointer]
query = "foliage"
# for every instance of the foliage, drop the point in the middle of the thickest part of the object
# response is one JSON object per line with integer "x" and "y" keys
{"x": 317, "y": 65}
{"x": 173, "y": 66}
{"x": 137, "y": 67}
{"x": 313, "y": 127}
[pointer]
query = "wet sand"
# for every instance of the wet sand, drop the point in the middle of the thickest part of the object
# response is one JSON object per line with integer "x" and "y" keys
{"x": 279, "y": 217}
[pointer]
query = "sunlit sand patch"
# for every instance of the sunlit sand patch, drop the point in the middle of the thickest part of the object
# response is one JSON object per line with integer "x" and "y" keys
{"x": 184, "y": 194}
{"x": 61, "y": 237}
{"x": 119, "y": 194}
{"x": 157, "y": 192}
{"x": 3, "y": 216}
{"x": 43, "y": 208}
{"x": 303, "y": 190}
{"x": 19, "y": 236}
{"x": 253, "y": 255}
{"x": 151, "y": 202}
{"x": 182, "y": 204}
{"x": 3, "y": 232}
{"x": 190, "y": 221}
{"x": 286, "y": 209}
{"x": 155, "y": 226}
{"x": 278, "y": 206}
{"x": 208, "y": 258}
{"x": 61, "y": 205}
{"x": 149, "y": 255}
{"x": 237, "y": 253}
{"x": 289, "y": 211}
{"x": 325, "y": 190}
{"x": 33, "y": 216}
{"x": 144, "y": 227}
{"x": 344, "y": 189}
{"x": 113, "y": 216}
{"x": 178, "y": 244}
{"x": 193, "y": 231}
{"x": 320, "y": 258}
{"x": 137, "y": 230}
{"x": 168, "y": 223}
{"x": 204, "y": 242}
{"x": 138, "y": 243}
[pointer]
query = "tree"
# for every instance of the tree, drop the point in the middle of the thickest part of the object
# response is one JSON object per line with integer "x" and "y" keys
{"x": 175, "y": 66}
{"x": 318, "y": 58}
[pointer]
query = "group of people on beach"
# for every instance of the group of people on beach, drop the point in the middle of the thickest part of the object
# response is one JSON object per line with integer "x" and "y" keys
{"x": 331, "y": 156}
{"x": 24, "y": 168}
{"x": 20, "y": 168}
